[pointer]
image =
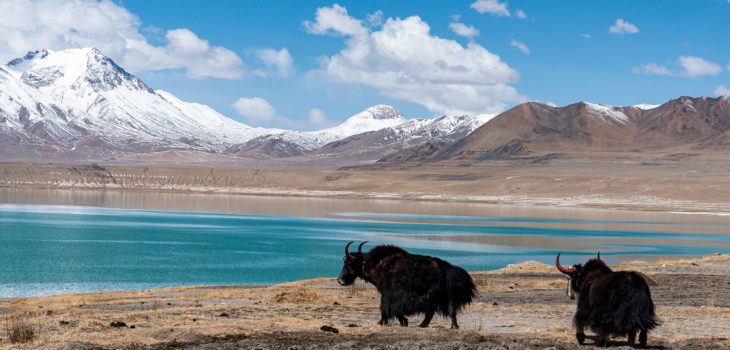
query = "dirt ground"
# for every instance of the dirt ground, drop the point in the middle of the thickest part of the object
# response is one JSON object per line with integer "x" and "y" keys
{"x": 655, "y": 182}
{"x": 523, "y": 306}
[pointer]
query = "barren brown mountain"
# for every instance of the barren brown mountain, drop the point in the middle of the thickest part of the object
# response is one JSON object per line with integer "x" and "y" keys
{"x": 535, "y": 129}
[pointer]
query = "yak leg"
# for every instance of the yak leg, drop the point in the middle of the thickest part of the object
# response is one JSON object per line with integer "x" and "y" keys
{"x": 454, "y": 324}
{"x": 385, "y": 314}
{"x": 602, "y": 339}
{"x": 383, "y": 318}
{"x": 427, "y": 320}
{"x": 631, "y": 337}
{"x": 402, "y": 320}
{"x": 642, "y": 338}
{"x": 580, "y": 326}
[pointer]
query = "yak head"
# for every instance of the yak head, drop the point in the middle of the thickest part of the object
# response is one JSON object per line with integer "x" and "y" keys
{"x": 352, "y": 266}
{"x": 580, "y": 275}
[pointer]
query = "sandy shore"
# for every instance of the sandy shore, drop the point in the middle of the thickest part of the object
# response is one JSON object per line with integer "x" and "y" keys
{"x": 521, "y": 306}
{"x": 661, "y": 183}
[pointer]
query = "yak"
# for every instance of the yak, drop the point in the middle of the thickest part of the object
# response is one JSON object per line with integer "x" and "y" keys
{"x": 409, "y": 284}
{"x": 610, "y": 303}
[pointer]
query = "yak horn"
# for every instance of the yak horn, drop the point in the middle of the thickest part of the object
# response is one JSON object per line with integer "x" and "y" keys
{"x": 347, "y": 251}
{"x": 359, "y": 248}
{"x": 599, "y": 255}
{"x": 565, "y": 270}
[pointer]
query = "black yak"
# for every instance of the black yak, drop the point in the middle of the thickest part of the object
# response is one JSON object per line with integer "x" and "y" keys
{"x": 610, "y": 303}
{"x": 410, "y": 284}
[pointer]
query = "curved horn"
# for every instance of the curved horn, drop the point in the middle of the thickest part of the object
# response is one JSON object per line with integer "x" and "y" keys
{"x": 347, "y": 251}
{"x": 565, "y": 270}
{"x": 359, "y": 248}
{"x": 599, "y": 255}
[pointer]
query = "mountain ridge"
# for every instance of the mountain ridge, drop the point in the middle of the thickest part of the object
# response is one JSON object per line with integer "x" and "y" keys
{"x": 80, "y": 100}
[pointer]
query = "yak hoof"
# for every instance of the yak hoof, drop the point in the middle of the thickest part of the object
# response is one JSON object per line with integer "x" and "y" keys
{"x": 602, "y": 342}
{"x": 581, "y": 337}
{"x": 423, "y": 325}
{"x": 383, "y": 322}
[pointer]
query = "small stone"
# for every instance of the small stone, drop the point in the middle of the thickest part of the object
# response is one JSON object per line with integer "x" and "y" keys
{"x": 118, "y": 324}
{"x": 224, "y": 314}
{"x": 330, "y": 329}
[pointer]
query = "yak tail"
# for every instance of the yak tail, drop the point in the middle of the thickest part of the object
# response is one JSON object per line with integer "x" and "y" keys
{"x": 460, "y": 287}
{"x": 643, "y": 314}
{"x": 639, "y": 312}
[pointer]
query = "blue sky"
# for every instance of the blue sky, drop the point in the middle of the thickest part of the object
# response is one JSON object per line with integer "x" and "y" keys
{"x": 659, "y": 50}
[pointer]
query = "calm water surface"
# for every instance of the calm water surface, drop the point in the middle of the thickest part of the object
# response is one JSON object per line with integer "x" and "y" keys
{"x": 47, "y": 249}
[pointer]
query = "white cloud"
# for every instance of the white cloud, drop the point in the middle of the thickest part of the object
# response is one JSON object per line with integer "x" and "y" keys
{"x": 403, "y": 60}
{"x": 687, "y": 66}
{"x": 491, "y": 6}
{"x": 520, "y": 46}
{"x": 693, "y": 66}
{"x": 585, "y": 36}
{"x": 48, "y": 24}
{"x": 521, "y": 14}
{"x": 255, "y": 109}
{"x": 462, "y": 29}
{"x": 623, "y": 27}
{"x": 375, "y": 18}
{"x": 722, "y": 90}
{"x": 335, "y": 21}
{"x": 651, "y": 68}
{"x": 316, "y": 117}
{"x": 280, "y": 60}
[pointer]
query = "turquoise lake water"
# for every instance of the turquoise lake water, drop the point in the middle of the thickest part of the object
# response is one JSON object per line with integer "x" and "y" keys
{"x": 48, "y": 249}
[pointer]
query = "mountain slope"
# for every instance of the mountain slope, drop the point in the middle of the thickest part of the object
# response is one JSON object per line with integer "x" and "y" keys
{"x": 534, "y": 129}
{"x": 79, "y": 100}
{"x": 122, "y": 109}
{"x": 376, "y": 144}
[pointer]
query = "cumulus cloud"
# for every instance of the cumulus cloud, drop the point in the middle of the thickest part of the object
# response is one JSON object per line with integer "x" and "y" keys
{"x": 255, "y": 109}
{"x": 585, "y": 36}
{"x": 686, "y": 66}
{"x": 521, "y": 14}
{"x": 316, "y": 117}
{"x": 520, "y": 46}
{"x": 622, "y": 27}
{"x": 29, "y": 25}
{"x": 334, "y": 20}
{"x": 375, "y": 18}
{"x": 651, "y": 68}
{"x": 462, "y": 29}
{"x": 493, "y": 7}
{"x": 693, "y": 66}
{"x": 403, "y": 60}
{"x": 722, "y": 90}
{"x": 280, "y": 60}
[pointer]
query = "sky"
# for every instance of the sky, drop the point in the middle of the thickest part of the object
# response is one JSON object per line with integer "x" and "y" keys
{"x": 311, "y": 64}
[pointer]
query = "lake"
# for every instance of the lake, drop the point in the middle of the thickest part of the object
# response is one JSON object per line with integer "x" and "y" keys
{"x": 66, "y": 241}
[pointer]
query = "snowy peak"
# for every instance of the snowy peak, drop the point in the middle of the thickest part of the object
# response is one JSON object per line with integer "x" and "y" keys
{"x": 373, "y": 118}
{"x": 73, "y": 68}
{"x": 608, "y": 113}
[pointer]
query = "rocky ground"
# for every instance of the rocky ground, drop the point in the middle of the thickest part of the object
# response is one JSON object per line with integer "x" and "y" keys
{"x": 519, "y": 307}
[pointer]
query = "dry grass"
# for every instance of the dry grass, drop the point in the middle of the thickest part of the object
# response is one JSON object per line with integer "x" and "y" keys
{"x": 19, "y": 329}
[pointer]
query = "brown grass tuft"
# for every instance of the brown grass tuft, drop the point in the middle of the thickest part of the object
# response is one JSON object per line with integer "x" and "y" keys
{"x": 19, "y": 329}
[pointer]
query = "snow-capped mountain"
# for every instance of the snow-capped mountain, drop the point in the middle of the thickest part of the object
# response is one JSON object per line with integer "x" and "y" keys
{"x": 119, "y": 108}
{"x": 410, "y": 133}
{"x": 79, "y": 100}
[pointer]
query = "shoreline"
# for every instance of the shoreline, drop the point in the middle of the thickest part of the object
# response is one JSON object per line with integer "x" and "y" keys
{"x": 516, "y": 305}
{"x": 569, "y": 183}
{"x": 644, "y": 204}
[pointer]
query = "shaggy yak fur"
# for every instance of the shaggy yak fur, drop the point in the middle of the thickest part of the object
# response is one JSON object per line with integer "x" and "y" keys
{"x": 610, "y": 303}
{"x": 410, "y": 284}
